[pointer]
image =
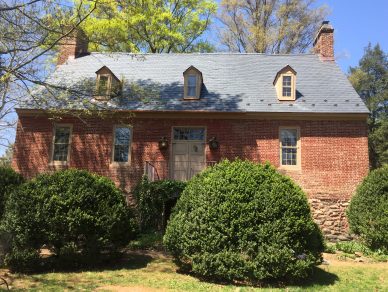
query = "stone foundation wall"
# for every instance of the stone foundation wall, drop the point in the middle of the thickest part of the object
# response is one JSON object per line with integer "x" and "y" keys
{"x": 330, "y": 215}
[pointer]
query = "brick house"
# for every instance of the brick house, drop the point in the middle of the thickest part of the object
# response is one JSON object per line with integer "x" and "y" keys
{"x": 171, "y": 115}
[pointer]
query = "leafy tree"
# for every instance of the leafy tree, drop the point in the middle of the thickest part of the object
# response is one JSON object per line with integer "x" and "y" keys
{"x": 149, "y": 26}
{"x": 269, "y": 26}
{"x": 370, "y": 80}
{"x": 6, "y": 158}
{"x": 29, "y": 30}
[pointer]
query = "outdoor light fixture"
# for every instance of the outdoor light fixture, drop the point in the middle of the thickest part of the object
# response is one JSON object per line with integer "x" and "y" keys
{"x": 163, "y": 143}
{"x": 213, "y": 143}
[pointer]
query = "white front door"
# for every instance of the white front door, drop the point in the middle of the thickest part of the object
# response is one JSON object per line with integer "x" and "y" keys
{"x": 188, "y": 152}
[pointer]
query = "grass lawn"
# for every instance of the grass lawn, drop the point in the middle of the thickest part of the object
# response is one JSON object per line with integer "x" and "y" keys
{"x": 154, "y": 271}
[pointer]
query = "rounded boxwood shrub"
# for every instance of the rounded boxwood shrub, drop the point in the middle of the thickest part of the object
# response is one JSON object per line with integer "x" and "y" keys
{"x": 151, "y": 199}
{"x": 69, "y": 212}
{"x": 368, "y": 210}
{"x": 244, "y": 221}
{"x": 9, "y": 179}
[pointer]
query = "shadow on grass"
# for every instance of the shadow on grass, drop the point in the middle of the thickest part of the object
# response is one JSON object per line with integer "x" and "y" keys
{"x": 318, "y": 277}
{"x": 105, "y": 262}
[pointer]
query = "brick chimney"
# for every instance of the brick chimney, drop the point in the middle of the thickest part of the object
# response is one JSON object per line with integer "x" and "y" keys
{"x": 324, "y": 42}
{"x": 73, "y": 46}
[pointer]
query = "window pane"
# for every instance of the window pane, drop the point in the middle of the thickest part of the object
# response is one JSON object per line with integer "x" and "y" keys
{"x": 60, "y": 152}
{"x": 192, "y": 85}
{"x": 192, "y": 80}
{"x": 289, "y": 137}
{"x": 286, "y": 80}
{"x": 61, "y": 143}
{"x": 62, "y": 135}
{"x": 103, "y": 85}
{"x": 122, "y": 142}
{"x": 289, "y": 140}
{"x": 286, "y": 91}
{"x": 189, "y": 134}
{"x": 289, "y": 156}
{"x": 122, "y": 136}
{"x": 121, "y": 153}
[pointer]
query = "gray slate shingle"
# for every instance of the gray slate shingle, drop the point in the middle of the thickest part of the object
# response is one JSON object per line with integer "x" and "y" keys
{"x": 232, "y": 82}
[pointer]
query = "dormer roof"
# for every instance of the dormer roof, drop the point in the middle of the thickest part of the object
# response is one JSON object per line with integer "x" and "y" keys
{"x": 286, "y": 68}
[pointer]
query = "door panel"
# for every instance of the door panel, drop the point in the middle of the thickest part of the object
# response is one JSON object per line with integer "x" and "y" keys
{"x": 196, "y": 157}
{"x": 188, "y": 156}
{"x": 180, "y": 160}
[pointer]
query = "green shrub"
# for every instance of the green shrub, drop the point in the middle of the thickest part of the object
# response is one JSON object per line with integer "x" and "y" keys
{"x": 244, "y": 221}
{"x": 351, "y": 247}
{"x": 330, "y": 248}
{"x": 151, "y": 198}
{"x": 9, "y": 179}
{"x": 368, "y": 210}
{"x": 70, "y": 208}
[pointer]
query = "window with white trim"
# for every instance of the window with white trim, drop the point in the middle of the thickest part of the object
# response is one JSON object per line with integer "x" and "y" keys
{"x": 122, "y": 144}
{"x": 103, "y": 86}
{"x": 192, "y": 83}
{"x": 289, "y": 146}
{"x": 287, "y": 86}
{"x": 192, "y": 86}
{"x": 61, "y": 143}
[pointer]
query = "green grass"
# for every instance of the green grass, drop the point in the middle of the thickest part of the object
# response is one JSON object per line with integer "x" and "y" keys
{"x": 155, "y": 270}
{"x": 349, "y": 248}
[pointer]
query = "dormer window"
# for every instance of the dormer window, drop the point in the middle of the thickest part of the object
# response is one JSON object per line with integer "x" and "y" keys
{"x": 103, "y": 85}
{"x": 285, "y": 84}
{"x": 192, "y": 86}
{"x": 108, "y": 85}
{"x": 192, "y": 83}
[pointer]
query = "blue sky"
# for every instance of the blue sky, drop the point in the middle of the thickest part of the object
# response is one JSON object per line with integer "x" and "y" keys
{"x": 356, "y": 23}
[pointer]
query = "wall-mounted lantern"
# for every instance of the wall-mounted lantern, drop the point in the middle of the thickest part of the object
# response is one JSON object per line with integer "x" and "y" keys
{"x": 163, "y": 143}
{"x": 213, "y": 143}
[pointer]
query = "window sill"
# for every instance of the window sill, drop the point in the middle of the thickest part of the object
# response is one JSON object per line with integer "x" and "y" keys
{"x": 288, "y": 98}
{"x": 290, "y": 167}
{"x": 119, "y": 164}
{"x": 102, "y": 98}
{"x": 190, "y": 98}
{"x": 58, "y": 163}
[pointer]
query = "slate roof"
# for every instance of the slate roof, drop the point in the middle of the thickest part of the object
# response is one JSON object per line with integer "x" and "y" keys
{"x": 231, "y": 82}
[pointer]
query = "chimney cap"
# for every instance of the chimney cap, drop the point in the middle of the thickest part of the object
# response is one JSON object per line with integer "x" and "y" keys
{"x": 325, "y": 27}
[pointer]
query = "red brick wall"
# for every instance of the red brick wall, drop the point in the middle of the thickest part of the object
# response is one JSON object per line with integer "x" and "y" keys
{"x": 334, "y": 153}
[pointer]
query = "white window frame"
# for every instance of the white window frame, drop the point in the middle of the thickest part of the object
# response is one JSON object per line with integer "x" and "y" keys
{"x": 108, "y": 86}
{"x": 118, "y": 163}
{"x": 298, "y": 148}
{"x": 61, "y": 162}
{"x": 198, "y": 85}
{"x": 195, "y": 85}
{"x": 290, "y": 86}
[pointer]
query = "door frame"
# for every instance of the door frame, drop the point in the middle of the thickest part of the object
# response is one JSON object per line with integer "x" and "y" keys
{"x": 171, "y": 164}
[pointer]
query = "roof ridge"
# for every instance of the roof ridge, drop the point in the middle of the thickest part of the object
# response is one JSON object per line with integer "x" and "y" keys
{"x": 200, "y": 54}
